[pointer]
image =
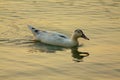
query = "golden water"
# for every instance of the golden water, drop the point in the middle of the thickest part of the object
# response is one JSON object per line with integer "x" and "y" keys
{"x": 22, "y": 59}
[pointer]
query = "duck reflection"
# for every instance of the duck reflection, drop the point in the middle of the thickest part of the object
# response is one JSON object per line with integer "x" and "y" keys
{"x": 77, "y": 55}
{"x": 42, "y": 47}
{"x": 36, "y": 46}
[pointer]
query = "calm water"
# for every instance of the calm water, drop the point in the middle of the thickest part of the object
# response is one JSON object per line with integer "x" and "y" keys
{"x": 23, "y": 59}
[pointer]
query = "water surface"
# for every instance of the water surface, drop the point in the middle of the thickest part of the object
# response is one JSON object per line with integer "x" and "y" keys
{"x": 23, "y": 59}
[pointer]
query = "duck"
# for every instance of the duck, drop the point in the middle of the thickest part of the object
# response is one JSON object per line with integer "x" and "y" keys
{"x": 56, "y": 38}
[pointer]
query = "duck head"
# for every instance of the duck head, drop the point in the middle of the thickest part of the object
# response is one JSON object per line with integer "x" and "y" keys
{"x": 79, "y": 34}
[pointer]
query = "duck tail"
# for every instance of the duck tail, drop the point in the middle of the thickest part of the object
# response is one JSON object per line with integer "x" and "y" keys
{"x": 33, "y": 30}
{"x": 30, "y": 27}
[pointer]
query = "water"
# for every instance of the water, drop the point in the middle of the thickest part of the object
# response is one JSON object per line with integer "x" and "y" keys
{"x": 23, "y": 59}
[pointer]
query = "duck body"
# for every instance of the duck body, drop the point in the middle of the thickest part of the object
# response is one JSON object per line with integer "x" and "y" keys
{"x": 53, "y": 38}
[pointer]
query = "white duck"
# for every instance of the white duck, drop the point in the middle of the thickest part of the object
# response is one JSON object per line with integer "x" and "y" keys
{"x": 58, "y": 39}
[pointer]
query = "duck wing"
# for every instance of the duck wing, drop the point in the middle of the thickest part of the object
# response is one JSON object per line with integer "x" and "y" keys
{"x": 62, "y": 36}
{"x": 59, "y": 35}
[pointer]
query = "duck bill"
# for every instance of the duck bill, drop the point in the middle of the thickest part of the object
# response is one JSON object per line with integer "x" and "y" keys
{"x": 85, "y": 37}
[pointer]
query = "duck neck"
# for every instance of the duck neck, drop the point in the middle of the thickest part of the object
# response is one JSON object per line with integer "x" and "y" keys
{"x": 75, "y": 39}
